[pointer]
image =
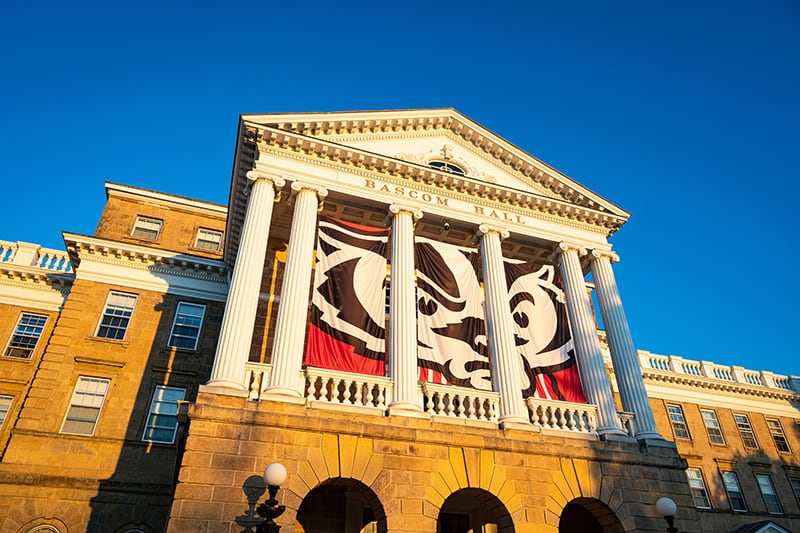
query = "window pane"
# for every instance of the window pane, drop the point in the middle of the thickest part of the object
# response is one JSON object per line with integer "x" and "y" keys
{"x": 734, "y": 491}
{"x": 208, "y": 239}
{"x": 776, "y": 431}
{"x": 678, "y": 422}
{"x": 5, "y": 406}
{"x": 85, "y": 405}
{"x": 116, "y": 316}
{"x": 795, "y": 482}
{"x": 146, "y": 228}
{"x": 712, "y": 426}
{"x": 768, "y": 492}
{"x": 26, "y": 335}
{"x": 746, "y": 431}
{"x": 162, "y": 422}
{"x": 186, "y": 328}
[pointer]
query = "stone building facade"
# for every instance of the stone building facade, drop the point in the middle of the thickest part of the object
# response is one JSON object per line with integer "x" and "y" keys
{"x": 156, "y": 367}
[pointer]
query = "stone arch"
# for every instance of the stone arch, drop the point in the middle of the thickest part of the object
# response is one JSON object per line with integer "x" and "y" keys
{"x": 589, "y": 515}
{"x": 581, "y": 482}
{"x": 472, "y": 468}
{"x": 341, "y": 504}
{"x": 44, "y": 525}
{"x": 474, "y": 510}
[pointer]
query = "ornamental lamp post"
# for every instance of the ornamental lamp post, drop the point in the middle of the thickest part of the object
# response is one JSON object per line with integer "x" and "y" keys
{"x": 666, "y": 508}
{"x": 269, "y": 510}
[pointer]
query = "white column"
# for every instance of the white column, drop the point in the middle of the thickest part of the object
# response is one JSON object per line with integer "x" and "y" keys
{"x": 290, "y": 329}
{"x": 506, "y": 362}
{"x": 591, "y": 368}
{"x": 402, "y": 353}
{"x": 233, "y": 348}
{"x": 623, "y": 354}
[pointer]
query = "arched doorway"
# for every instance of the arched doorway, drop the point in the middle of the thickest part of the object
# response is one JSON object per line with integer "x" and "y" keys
{"x": 589, "y": 515}
{"x": 473, "y": 511}
{"x": 341, "y": 505}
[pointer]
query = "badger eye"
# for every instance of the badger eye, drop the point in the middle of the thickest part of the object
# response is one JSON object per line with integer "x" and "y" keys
{"x": 427, "y": 307}
{"x": 521, "y": 319}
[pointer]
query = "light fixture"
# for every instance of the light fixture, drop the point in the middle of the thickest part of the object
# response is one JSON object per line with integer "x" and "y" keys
{"x": 269, "y": 510}
{"x": 666, "y": 508}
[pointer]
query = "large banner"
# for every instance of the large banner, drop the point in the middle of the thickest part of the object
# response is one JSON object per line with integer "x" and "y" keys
{"x": 348, "y": 313}
{"x": 542, "y": 332}
{"x": 451, "y": 325}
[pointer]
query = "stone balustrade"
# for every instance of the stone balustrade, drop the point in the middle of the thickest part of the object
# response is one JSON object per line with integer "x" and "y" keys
{"x": 460, "y": 402}
{"x": 346, "y": 389}
{"x": 256, "y": 379}
{"x": 554, "y": 415}
{"x": 33, "y": 255}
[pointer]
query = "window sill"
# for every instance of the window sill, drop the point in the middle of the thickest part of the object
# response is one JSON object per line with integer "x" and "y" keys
{"x": 122, "y": 343}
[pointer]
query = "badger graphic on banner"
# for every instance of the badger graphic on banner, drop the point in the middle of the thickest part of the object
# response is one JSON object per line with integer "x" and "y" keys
{"x": 542, "y": 332}
{"x": 451, "y": 326}
{"x": 348, "y": 314}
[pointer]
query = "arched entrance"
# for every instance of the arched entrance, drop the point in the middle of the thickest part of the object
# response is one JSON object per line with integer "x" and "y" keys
{"x": 474, "y": 511}
{"x": 342, "y": 505}
{"x": 589, "y": 515}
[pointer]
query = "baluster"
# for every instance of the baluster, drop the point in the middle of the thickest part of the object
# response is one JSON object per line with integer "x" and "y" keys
{"x": 471, "y": 407}
{"x": 345, "y": 384}
{"x": 311, "y": 381}
{"x": 439, "y": 403}
{"x": 481, "y": 409}
{"x": 461, "y": 407}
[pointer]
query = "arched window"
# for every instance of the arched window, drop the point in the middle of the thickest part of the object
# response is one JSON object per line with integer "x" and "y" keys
{"x": 447, "y": 166}
{"x": 44, "y": 529}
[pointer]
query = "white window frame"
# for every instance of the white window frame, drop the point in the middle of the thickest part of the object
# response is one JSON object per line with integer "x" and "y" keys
{"x": 731, "y": 481}
{"x": 115, "y": 311}
{"x": 163, "y": 409}
{"x": 745, "y": 430}
{"x": 682, "y": 421}
{"x": 778, "y": 436}
{"x": 26, "y": 331}
{"x": 697, "y": 485}
{"x": 713, "y": 429}
{"x": 767, "y": 488}
{"x": 174, "y": 335}
{"x": 89, "y": 393}
{"x": 143, "y": 224}
{"x": 5, "y": 407}
{"x": 209, "y": 232}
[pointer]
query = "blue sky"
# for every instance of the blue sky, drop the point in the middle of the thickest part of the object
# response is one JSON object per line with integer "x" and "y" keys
{"x": 685, "y": 114}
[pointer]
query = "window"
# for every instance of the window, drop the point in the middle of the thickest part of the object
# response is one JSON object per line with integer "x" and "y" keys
{"x": 712, "y": 426}
{"x": 186, "y": 328}
{"x": 776, "y": 431}
{"x": 678, "y": 422}
{"x": 146, "y": 228}
{"x": 162, "y": 422}
{"x": 746, "y": 431}
{"x": 795, "y": 483}
{"x": 85, "y": 405}
{"x": 208, "y": 239}
{"x": 116, "y": 316}
{"x": 446, "y": 166}
{"x": 698, "y": 488}
{"x": 734, "y": 491}
{"x": 768, "y": 492}
{"x": 26, "y": 335}
{"x": 5, "y": 406}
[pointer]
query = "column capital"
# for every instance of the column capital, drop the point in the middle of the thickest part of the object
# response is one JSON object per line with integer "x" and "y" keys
{"x": 565, "y": 246}
{"x": 299, "y": 186}
{"x": 255, "y": 175}
{"x": 396, "y": 209}
{"x": 597, "y": 254}
{"x": 485, "y": 229}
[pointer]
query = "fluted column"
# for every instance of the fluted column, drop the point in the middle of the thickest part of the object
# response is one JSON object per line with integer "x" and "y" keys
{"x": 290, "y": 329}
{"x": 402, "y": 353}
{"x": 623, "y": 354}
{"x": 591, "y": 368}
{"x": 233, "y": 348}
{"x": 506, "y": 362}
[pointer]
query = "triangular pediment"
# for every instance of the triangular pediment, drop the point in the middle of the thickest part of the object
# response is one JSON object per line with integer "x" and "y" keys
{"x": 442, "y": 139}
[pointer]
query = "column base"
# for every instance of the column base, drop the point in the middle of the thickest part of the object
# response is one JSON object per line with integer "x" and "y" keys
{"x": 514, "y": 422}
{"x": 649, "y": 436}
{"x": 407, "y": 409}
{"x": 226, "y": 384}
{"x": 214, "y": 388}
{"x": 614, "y": 434}
{"x": 283, "y": 394}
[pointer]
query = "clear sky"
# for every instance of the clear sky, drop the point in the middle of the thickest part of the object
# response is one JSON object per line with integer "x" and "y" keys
{"x": 686, "y": 114}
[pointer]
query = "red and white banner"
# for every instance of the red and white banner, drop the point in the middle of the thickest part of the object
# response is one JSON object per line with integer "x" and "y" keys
{"x": 451, "y": 327}
{"x": 538, "y": 307}
{"x": 348, "y": 313}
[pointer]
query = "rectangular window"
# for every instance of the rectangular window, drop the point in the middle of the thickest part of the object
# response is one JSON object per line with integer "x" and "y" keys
{"x": 678, "y": 422}
{"x": 162, "y": 422}
{"x": 186, "y": 327}
{"x": 712, "y": 426}
{"x": 734, "y": 491}
{"x": 116, "y": 315}
{"x": 5, "y": 406}
{"x": 768, "y": 492}
{"x": 208, "y": 239}
{"x": 746, "y": 431}
{"x": 778, "y": 436}
{"x": 26, "y": 335}
{"x": 146, "y": 228}
{"x": 85, "y": 405}
{"x": 698, "y": 488}
{"x": 795, "y": 482}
